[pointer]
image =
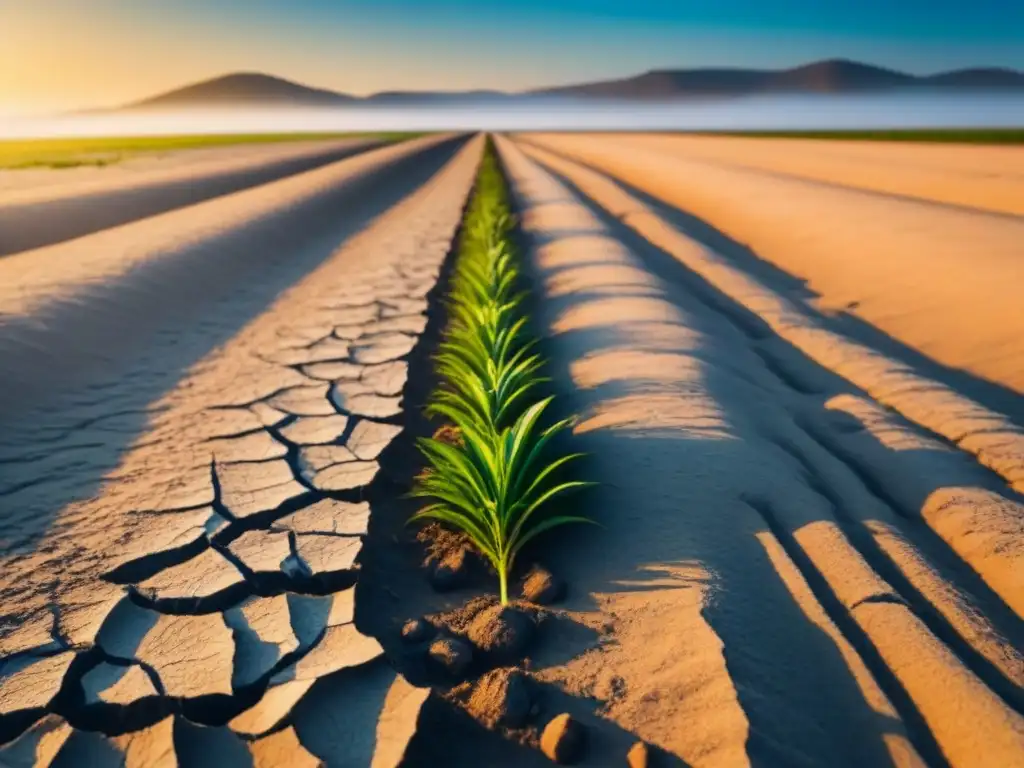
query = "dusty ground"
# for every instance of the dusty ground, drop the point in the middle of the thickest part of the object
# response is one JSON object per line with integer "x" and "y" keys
{"x": 940, "y": 279}
{"x": 811, "y": 550}
{"x": 43, "y": 207}
{"x": 987, "y": 178}
{"x": 42, "y": 182}
{"x": 799, "y": 575}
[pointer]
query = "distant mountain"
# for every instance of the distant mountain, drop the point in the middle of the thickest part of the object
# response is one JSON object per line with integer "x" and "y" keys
{"x": 833, "y": 76}
{"x": 244, "y": 88}
{"x": 979, "y": 78}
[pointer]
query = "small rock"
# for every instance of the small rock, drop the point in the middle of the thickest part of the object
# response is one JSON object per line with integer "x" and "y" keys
{"x": 563, "y": 740}
{"x": 502, "y": 632}
{"x": 452, "y": 654}
{"x": 542, "y": 587}
{"x": 639, "y": 756}
{"x": 503, "y": 698}
{"x": 417, "y": 631}
{"x": 451, "y": 572}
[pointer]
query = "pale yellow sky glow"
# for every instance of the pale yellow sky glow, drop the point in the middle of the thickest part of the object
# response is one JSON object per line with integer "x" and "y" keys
{"x": 74, "y": 57}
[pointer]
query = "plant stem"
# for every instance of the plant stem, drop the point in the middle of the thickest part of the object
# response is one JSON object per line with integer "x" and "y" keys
{"x": 503, "y": 581}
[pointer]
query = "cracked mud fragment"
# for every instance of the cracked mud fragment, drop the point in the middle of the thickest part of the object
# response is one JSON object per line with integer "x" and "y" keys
{"x": 38, "y": 746}
{"x": 117, "y": 684}
{"x": 312, "y": 615}
{"x": 383, "y": 349}
{"x": 333, "y": 371}
{"x": 152, "y": 747}
{"x": 30, "y": 682}
{"x": 315, "y": 458}
{"x": 328, "y": 517}
{"x": 84, "y": 610}
{"x": 262, "y": 552}
{"x": 263, "y": 636}
{"x": 258, "y": 446}
{"x": 341, "y": 646}
{"x": 324, "y": 351}
{"x": 157, "y": 533}
{"x": 205, "y": 576}
{"x": 267, "y": 415}
{"x": 191, "y": 655}
{"x": 414, "y": 324}
{"x": 345, "y": 477}
{"x": 307, "y": 400}
{"x": 354, "y": 398}
{"x": 325, "y": 555}
{"x": 281, "y": 748}
{"x": 369, "y": 438}
{"x": 386, "y": 378}
{"x": 250, "y": 489}
{"x": 272, "y": 709}
{"x": 316, "y": 430}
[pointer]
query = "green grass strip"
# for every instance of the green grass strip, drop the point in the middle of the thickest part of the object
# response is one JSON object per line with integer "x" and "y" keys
{"x": 1008, "y": 136}
{"x": 495, "y": 483}
{"x": 100, "y": 151}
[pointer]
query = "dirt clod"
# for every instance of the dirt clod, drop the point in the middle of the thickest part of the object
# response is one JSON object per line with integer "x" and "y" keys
{"x": 450, "y": 558}
{"x": 639, "y": 756}
{"x": 502, "y": 632}
{"x": 543, "y": 587}
{"x": 452, "y": 654}
{"x": 563, "y": 740}
{"x": 502, "y": 698}
{"x": 417, "y": 631}
{"x": 450, "y": 573}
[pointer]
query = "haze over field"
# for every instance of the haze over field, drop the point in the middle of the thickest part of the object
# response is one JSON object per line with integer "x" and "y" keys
{"x": 752, "y": 113}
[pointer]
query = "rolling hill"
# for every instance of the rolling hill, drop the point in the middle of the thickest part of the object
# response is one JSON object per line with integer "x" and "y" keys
{"x": 833, "y": 76}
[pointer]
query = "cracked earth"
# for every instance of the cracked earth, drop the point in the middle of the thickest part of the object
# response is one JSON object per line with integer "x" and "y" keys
{"x": 182, "y": 524}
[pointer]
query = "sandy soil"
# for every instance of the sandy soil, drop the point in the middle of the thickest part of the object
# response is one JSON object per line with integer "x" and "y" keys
{"x": 941, "y": 281}
{"x": 43, "y": 207}
{"x": 184, "y": 498}
{"x": 988, "y": 178}
{"x": 789, "y": 576}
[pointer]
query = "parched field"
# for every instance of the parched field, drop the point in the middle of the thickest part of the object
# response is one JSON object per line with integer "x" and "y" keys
{"x": 797, "y": 373}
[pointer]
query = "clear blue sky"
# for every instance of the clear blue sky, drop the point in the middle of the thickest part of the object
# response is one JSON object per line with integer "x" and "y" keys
{"x": 89, "y": 51}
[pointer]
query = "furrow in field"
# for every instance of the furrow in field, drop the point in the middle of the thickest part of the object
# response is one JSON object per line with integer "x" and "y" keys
{"x": 40, "y": 216}
{"x": 207, "y": 552}
{"x": 727, "y": 544}
{"x": 970, "y": 510}
{"x": 931, "y": 288}
{"x": 70, "y": 310}
{"x": 988, "y": 178}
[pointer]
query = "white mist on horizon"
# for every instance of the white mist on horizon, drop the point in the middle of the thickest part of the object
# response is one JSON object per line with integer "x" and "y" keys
{"x": 774, "y": 112}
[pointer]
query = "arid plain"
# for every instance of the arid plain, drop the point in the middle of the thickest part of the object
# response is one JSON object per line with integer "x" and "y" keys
{"x": 798, "y": 371}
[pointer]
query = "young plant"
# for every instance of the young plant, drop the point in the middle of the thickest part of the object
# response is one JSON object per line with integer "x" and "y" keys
{"x": 491, "y": 489}
{"x": 492, "y": 483}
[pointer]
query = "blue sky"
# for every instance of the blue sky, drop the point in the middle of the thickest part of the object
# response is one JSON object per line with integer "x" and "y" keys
{"x": 79, "y": 52}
